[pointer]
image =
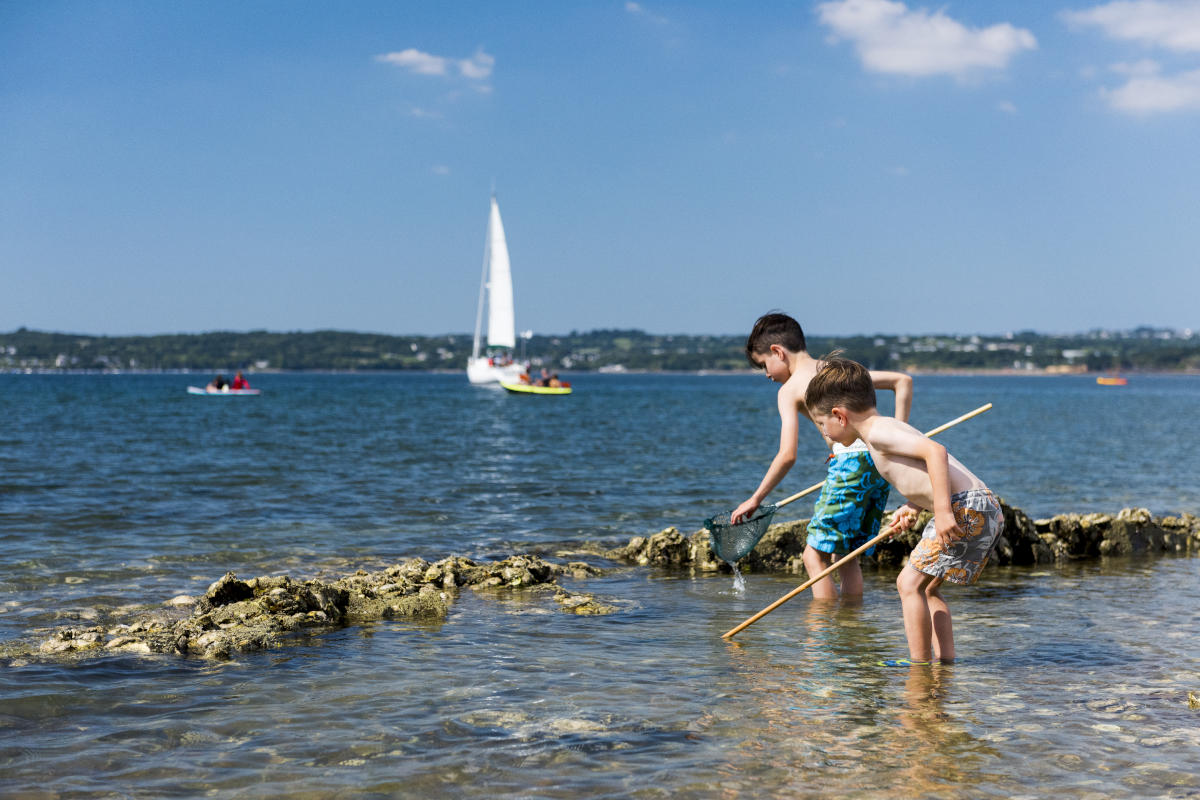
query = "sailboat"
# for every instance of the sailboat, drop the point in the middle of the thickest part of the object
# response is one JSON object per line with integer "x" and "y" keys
{"x": 495, "y": 364}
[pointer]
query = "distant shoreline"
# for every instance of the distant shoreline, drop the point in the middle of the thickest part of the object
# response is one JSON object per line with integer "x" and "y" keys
{"x": 995, "y": 373}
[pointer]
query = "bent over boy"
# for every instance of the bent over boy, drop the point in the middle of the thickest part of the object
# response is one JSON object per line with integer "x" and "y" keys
{"x": 848, "y": 511}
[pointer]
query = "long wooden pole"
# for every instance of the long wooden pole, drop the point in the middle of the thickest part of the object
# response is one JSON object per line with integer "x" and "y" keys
{"x": 841, "y": 562}
{"x": 832, "y": 568}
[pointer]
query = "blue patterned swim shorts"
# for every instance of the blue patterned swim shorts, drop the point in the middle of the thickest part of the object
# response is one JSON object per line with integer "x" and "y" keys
{"x": 848, "y": 511}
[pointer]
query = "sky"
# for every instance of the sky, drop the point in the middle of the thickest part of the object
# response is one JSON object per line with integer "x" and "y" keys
{"x": 868, "y": 166}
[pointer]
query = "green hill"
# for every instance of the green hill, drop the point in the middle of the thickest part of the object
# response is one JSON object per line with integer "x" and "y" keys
{"x": 1140, "y": 349}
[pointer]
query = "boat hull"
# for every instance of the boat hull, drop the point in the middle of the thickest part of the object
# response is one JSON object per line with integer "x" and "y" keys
{"x": 224, "y": 392}
{"x": 525, "y": 388}
{"x": 479, "y": 371}
{"x": 1106, "y": 381}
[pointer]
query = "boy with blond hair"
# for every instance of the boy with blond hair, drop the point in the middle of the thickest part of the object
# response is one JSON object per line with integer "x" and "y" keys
{"x": 848, "y": 511}
{"x": 967, "y": 518}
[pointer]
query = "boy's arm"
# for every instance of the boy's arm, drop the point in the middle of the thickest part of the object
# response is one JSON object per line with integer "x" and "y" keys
{"x": 894, "y": 440}
{"x": 789, "y": 431}
{"x": 899, "y": 382}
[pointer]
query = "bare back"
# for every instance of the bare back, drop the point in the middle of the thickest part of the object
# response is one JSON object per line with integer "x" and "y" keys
{"x": 793, "y": 392}
{"x": 889, "y": 441}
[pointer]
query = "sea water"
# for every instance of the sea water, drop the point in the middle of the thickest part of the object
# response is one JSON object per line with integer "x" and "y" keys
{"x": 118, "y": 492}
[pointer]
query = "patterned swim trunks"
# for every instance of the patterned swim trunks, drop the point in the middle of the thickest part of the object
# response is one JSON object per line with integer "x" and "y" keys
{"x": 848, "y": 511}
{"x": 979, "y": 515}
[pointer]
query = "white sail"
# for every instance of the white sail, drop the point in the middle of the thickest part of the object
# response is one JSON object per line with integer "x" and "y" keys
{"x": 501, "y": 326}
{"x": 496, "y": 289}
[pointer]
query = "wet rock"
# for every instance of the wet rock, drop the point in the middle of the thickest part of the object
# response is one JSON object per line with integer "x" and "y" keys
{"x": 667, "y": 548}
{"x": 1062, "y": 538}
{"x": 225, "y": 591}
{"x": 582, "y": 604}
{"x": 72, "y": 639}
{"x": 1133, "y": 531}
{"x": 236, "y": 616}
{"x": 1020, "y": 542}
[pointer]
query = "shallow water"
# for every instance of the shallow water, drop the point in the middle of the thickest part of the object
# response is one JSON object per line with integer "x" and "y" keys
{"x": 118, "y": 492}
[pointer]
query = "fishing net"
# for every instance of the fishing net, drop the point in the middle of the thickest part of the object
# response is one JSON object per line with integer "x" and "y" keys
{"x": 733, "y": 542}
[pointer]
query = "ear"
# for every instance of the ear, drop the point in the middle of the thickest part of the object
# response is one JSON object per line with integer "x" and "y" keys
{"x": 778, "y": 350}
{"x": 839, "y": 413}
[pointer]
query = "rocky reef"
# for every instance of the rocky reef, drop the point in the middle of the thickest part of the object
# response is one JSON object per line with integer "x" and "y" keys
{"x": 236, "y": 615}
{"x": 1057, "y": 539}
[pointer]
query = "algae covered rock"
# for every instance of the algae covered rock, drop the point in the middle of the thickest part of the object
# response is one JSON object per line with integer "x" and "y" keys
{"x": 237, "y": 616}
{"x": 1133, "y": 531}
{"x": 225, "y": 591}
{"x": 667, "y": 548}
{"x": 1023, "y": 541}
{"x": 584, "y": 604}
{"x": 73, "y": 639}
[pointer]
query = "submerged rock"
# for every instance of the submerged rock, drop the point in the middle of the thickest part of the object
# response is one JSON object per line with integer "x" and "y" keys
{"x": 236, "y": 615}
{"x": 1061, "y": 538}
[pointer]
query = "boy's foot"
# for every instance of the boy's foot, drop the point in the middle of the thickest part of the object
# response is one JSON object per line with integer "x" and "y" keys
{"x": 904, "y": 662}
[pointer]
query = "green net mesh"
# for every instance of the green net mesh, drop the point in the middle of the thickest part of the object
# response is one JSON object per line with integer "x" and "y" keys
{"x": 732, "y": 542}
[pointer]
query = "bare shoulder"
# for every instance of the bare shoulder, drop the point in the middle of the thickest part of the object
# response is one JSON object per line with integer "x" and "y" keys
{"x": 791, "y": 393}
{"x": 887, "y": 433}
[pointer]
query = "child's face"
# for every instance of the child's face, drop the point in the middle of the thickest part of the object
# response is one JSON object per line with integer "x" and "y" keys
{"x": 773, "y": 364}
{"x": 835, "y": 426}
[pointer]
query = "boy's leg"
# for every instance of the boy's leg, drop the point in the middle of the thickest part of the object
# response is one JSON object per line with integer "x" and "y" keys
{"x": 816, "y": 562}
{"x": 918, "y": 627}
{"x": 846, "y": 514}
{"x": 851, "y": 579}
{"x": 940, "y": 622}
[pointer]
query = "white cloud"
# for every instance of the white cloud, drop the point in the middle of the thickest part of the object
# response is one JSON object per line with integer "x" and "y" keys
{"x": 1172, "y": 24}
{"x": 421, "y": 113}
{"x": 1150, "y": 94}
{"x": 893, "y": 39}
{"x": 440, "y": 169}
{"x": 1007, "y": 106}
{"x": 416, "y": 61}
{"x": 476, "y": 68}
{"x": 638, "y": 10}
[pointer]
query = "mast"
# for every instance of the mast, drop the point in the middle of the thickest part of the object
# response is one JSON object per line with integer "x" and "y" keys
{"x": 487, "y": 242}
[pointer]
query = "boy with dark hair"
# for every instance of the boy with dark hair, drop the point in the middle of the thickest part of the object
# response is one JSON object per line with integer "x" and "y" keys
{"x": 851, "y": 502}
{"x": 967, "y": 519}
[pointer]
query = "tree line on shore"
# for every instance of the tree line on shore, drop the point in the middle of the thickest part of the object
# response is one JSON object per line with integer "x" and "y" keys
{"x": 1141, "y": 349}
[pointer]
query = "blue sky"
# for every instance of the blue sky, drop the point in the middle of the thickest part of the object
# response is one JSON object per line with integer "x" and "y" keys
{"x": 868, "y": 166}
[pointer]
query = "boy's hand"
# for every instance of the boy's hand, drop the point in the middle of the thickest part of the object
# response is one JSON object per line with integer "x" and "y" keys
{"x": 904, "y": 516}
{"x": 946, "y": 528}
{"x": 744, "y": 510}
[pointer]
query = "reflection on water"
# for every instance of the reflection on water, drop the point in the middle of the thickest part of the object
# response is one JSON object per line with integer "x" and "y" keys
{"x": 508, "y": 696}
{"x": 116, "y": 494}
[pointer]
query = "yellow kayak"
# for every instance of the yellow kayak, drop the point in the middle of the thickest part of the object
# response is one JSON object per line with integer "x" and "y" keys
{"x": 525, "y": 388}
